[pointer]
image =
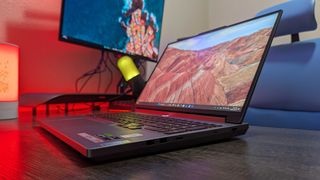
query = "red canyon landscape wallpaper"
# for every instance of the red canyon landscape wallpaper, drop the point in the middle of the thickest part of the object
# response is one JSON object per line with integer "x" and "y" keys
{"x": 220, "y": 75}
{"x": 203, "y": 72}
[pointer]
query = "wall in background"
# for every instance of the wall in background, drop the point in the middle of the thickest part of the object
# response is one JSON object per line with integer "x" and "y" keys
{"x": 46, "y": 64}
{"x": 187, "y": 17}
{"x": 182, "y": 18}
{"x": 223, "y": 12}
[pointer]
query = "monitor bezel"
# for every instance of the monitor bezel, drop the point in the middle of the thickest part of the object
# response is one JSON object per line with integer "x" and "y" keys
{"x": 230, "y": 117}
{"x": 100, "y": 47}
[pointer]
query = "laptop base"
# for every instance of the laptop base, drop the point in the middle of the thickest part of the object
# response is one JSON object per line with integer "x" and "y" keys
{"x": 153, "y": 146}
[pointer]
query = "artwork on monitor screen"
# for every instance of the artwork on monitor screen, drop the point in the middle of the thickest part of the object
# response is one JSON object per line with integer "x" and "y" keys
{"x": 213, "y": 69}
{"x": 127, "y": 26}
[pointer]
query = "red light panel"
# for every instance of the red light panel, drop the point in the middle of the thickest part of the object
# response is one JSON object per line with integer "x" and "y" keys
{"x": 9, "y": 72}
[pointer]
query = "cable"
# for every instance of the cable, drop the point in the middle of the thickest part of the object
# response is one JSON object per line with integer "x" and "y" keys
{"x": 111, "y": 76}
{"x": 99, "y": 83}
{"x": 143, "y": 70}
{"x": 100, "y": 68}
{"x": 85, "y": 83}
{"x": 88, "y": 75}
{"x": 113, "y": 64}
{"x": 117, "y": 70}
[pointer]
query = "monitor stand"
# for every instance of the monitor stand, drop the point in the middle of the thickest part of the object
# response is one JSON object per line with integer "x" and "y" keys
{"x": 35, "y": 99}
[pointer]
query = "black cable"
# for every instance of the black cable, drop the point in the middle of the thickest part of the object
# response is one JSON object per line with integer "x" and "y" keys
{"x": 101, "y": 67}
{"x": 140, "y": 66}
{"x": 111, "y": 76}
{"x": 112, "y": 63}
{"x": 143, "y": 70}
{"x": 100, "y": 71}
{"x": 118, "y": 85}
{"x": 97, "y": 70}
{"x": 99, "y": 83}
{"x": 82, "y": 77}
{"x": 85, "y": 83}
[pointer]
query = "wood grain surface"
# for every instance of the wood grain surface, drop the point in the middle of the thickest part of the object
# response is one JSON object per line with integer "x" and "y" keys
{"x": 29, "y": 152}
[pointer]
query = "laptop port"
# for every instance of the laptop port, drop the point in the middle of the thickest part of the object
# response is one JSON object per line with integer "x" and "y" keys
{"x": 150, "y": 142}
{"x": 163, "y": 140}
{"x": 179, "y": 138}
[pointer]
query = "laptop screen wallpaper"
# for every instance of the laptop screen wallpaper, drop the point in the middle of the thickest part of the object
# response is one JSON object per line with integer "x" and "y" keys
{"x": 214, "y": 70}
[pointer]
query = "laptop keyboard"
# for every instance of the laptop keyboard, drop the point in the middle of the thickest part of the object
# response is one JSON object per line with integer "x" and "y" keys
{"x": 166, "y": 125}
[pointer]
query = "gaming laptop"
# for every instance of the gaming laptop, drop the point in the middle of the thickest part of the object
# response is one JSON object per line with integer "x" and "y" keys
{"x": 198, "y": 93}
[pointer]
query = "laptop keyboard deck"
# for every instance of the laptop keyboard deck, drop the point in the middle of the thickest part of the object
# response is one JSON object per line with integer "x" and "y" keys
{"x": 166, "y": 125}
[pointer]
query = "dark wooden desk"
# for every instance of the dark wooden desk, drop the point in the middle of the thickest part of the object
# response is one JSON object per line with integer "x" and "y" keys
{"x": 29, "y": 152}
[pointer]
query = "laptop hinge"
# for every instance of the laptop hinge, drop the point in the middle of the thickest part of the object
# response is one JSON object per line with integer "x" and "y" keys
{"x": 295, "y": 37}
{"x": 234, "y": 119}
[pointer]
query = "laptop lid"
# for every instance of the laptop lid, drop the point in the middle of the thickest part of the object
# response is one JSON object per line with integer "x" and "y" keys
{"x": 212, "y": 73}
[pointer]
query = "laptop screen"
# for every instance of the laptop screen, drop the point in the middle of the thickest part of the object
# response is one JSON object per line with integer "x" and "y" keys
{"x": 211, "y": 71}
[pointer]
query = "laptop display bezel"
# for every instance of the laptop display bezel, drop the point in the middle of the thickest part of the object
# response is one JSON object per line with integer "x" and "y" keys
{"x": 230, "y": 116}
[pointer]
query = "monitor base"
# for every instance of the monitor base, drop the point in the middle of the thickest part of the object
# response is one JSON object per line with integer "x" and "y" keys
{"x": 35, "y": 99}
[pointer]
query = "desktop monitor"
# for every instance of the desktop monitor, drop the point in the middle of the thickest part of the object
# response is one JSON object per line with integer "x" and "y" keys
{"x": 130, "y": 27}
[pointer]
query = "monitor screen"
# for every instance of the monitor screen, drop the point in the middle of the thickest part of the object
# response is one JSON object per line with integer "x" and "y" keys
{"x": 210, "y": 71}
{"x": 130, "y": 27}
